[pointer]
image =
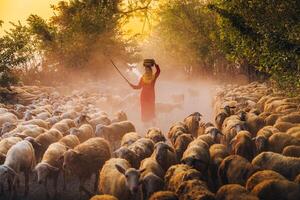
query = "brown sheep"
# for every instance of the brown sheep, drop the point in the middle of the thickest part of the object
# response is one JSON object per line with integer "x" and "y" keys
{"x": 192, "y": 123}
{"x": 155, "y": 135}
{"x": 217, "y": 154}
{"x": 51, "y": 165}
{"x": 182, "y": 143}
{"x": 292, "y": 151}
{"x": 150, "y": 165}
{"x": 234, "y": 192}
{"x": 42, "y": 142}
{"x": 278, "y": 141}
{"x": 143, "y": 148}
{"x": 86, "y": 159}
{"x": 164, "y": 155}
{"x": 235, "y": 169}
{"x": 243, "y": 145}
{"x": 277, "y": 189}
{"x": 254, "y": 123}
{"x": 70, "y": 141}
{"x": 151, "y": 183}
{"x": 5, "y": 145}
{"x": 194, "y": 190}
{"x": 177, "y": 128}
{"x": 179, "y": 173}
{"x": 117, "y": 178}
{"x": 208, "y": 139}
{"x": 289, "y": 167}
{"x": 32, "y": 132}
{"x": 222, "y": 115}
{"x": 164, "y": 195}
{"x": 39, "y": 122}
{"x": 129, "y": 155}
{"x": 103, "y": 197}
{"x": 114, "y": 132}
{"x": 261, "y": 176}
{"x": 129, "y": 138}
{"x": 292, "y": 118}
{"x": 284, "y": 126}
{"x": 83, "y": 133}
{"x": 119, "y": 117}
{"x": 271, "y": 119}
{"x": 197, "y": 155}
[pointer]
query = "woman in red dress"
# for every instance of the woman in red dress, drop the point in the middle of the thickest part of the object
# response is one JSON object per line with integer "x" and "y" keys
{"x": 147, "y": 98}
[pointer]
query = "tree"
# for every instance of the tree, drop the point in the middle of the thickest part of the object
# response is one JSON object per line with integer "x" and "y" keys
{"x": 264, "y": 34}
{"x": 15, "y": 50}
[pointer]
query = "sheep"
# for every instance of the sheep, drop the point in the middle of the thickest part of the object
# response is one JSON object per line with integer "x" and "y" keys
{"x": 277, "y": 189}
{"x": 271, "y": 119}
{"x": 222, "y": 115}
{"x": 261, "y": 176}
{"x": 243, "y": 145}
{"x": 176, "y": 174}
{"x": 5, "y": 145}
{"x": 114, "y": 132}
{"x": 284, "y": 126}
{"x": 38, "y": 122}
{"x": 164, "y": 195}
{"x": 292, "y": 151}
{"x": 7, "y": 127}
{"x": 51, "y": 165}
{"x": 143, "y": 148}
{"x": 42, "y": 142}
{"x": 151, "y": 183}
{"x": 192, "y": 123}
{"x": 129, "y": 138}
{"x": 70, "y": 141}
{"x": 278, "y": 141}
{"x": 19, "y": 158}
{"x": 194, "y": 190}
{"x": 86, "y": 159}
{"x": 117, "y": 178}
{"x": 234, "y": 192}
{"x": 254, "y": 123}
{"x": 292, "y": 118}
{"x": 289, "y": 167}
{"x": 197, "y": 155}
{"x": 155, "y": 135}
{"x": 164, "y": 155}
{"x": 150, "y": 165}
{"x": 103, "y": 197}
{"x": 8, "y": 117}
{"x": 120, "y": 116}
{"x": 180, "y": 128}
{"x": 129, "y": 155}
{"x": 182, "y": 143}
{"x": 217, "y": 154}
{"x": 235, "y": 169}
{"x": 208, "y": 139}
{"x": 32, "y": 132}
{"x": 83, "y": 133}
{"x": 64, "y": 125}
{"x": 215, "y": 133}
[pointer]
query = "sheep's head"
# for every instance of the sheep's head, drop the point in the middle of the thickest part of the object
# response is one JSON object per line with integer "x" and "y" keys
{"x": 161, "y": 152}
{"x": 195, "y": 163}
{"x": 261, "y": 143}
{"x": 156, "y": 135}
{"x": 7, "y": 127}
{"x": 7, "y": 173}
{"x": 69, "y": 158}
{"x": 151, "y": 184}
{"x": 82, "y": 119}
{"x": 133, "y": 178}
{"x": 42, "y": 170}
{"x": 100, "y": 131}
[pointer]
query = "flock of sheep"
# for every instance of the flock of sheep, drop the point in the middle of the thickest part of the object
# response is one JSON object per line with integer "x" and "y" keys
{"x": 251, "y": 151}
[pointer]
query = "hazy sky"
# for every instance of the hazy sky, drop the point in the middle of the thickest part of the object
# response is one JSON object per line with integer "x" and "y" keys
{"x": 14, "y": 10}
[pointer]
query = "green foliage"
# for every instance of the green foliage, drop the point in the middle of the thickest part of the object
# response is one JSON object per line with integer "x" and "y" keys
{"x": 15, "y": 50}
{"x": 265, "y": 33}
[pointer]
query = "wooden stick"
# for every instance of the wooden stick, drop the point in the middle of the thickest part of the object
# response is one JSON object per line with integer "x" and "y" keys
{"x": 112, "y": 62}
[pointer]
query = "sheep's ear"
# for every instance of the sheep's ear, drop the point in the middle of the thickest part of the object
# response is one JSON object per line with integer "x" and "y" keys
{"x": 254, "y": 139}
{"x": 170, "y": 148}
{"x": 2, "y": 155}
{"x": 120, "y": 169}
{"x": 142, "y": 170}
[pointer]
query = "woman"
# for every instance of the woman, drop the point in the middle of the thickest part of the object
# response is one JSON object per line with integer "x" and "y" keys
{"x": 147, "y": 84}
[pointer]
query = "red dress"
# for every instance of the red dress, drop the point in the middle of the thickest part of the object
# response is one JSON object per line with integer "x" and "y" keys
{"x": 147, "y": 97}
